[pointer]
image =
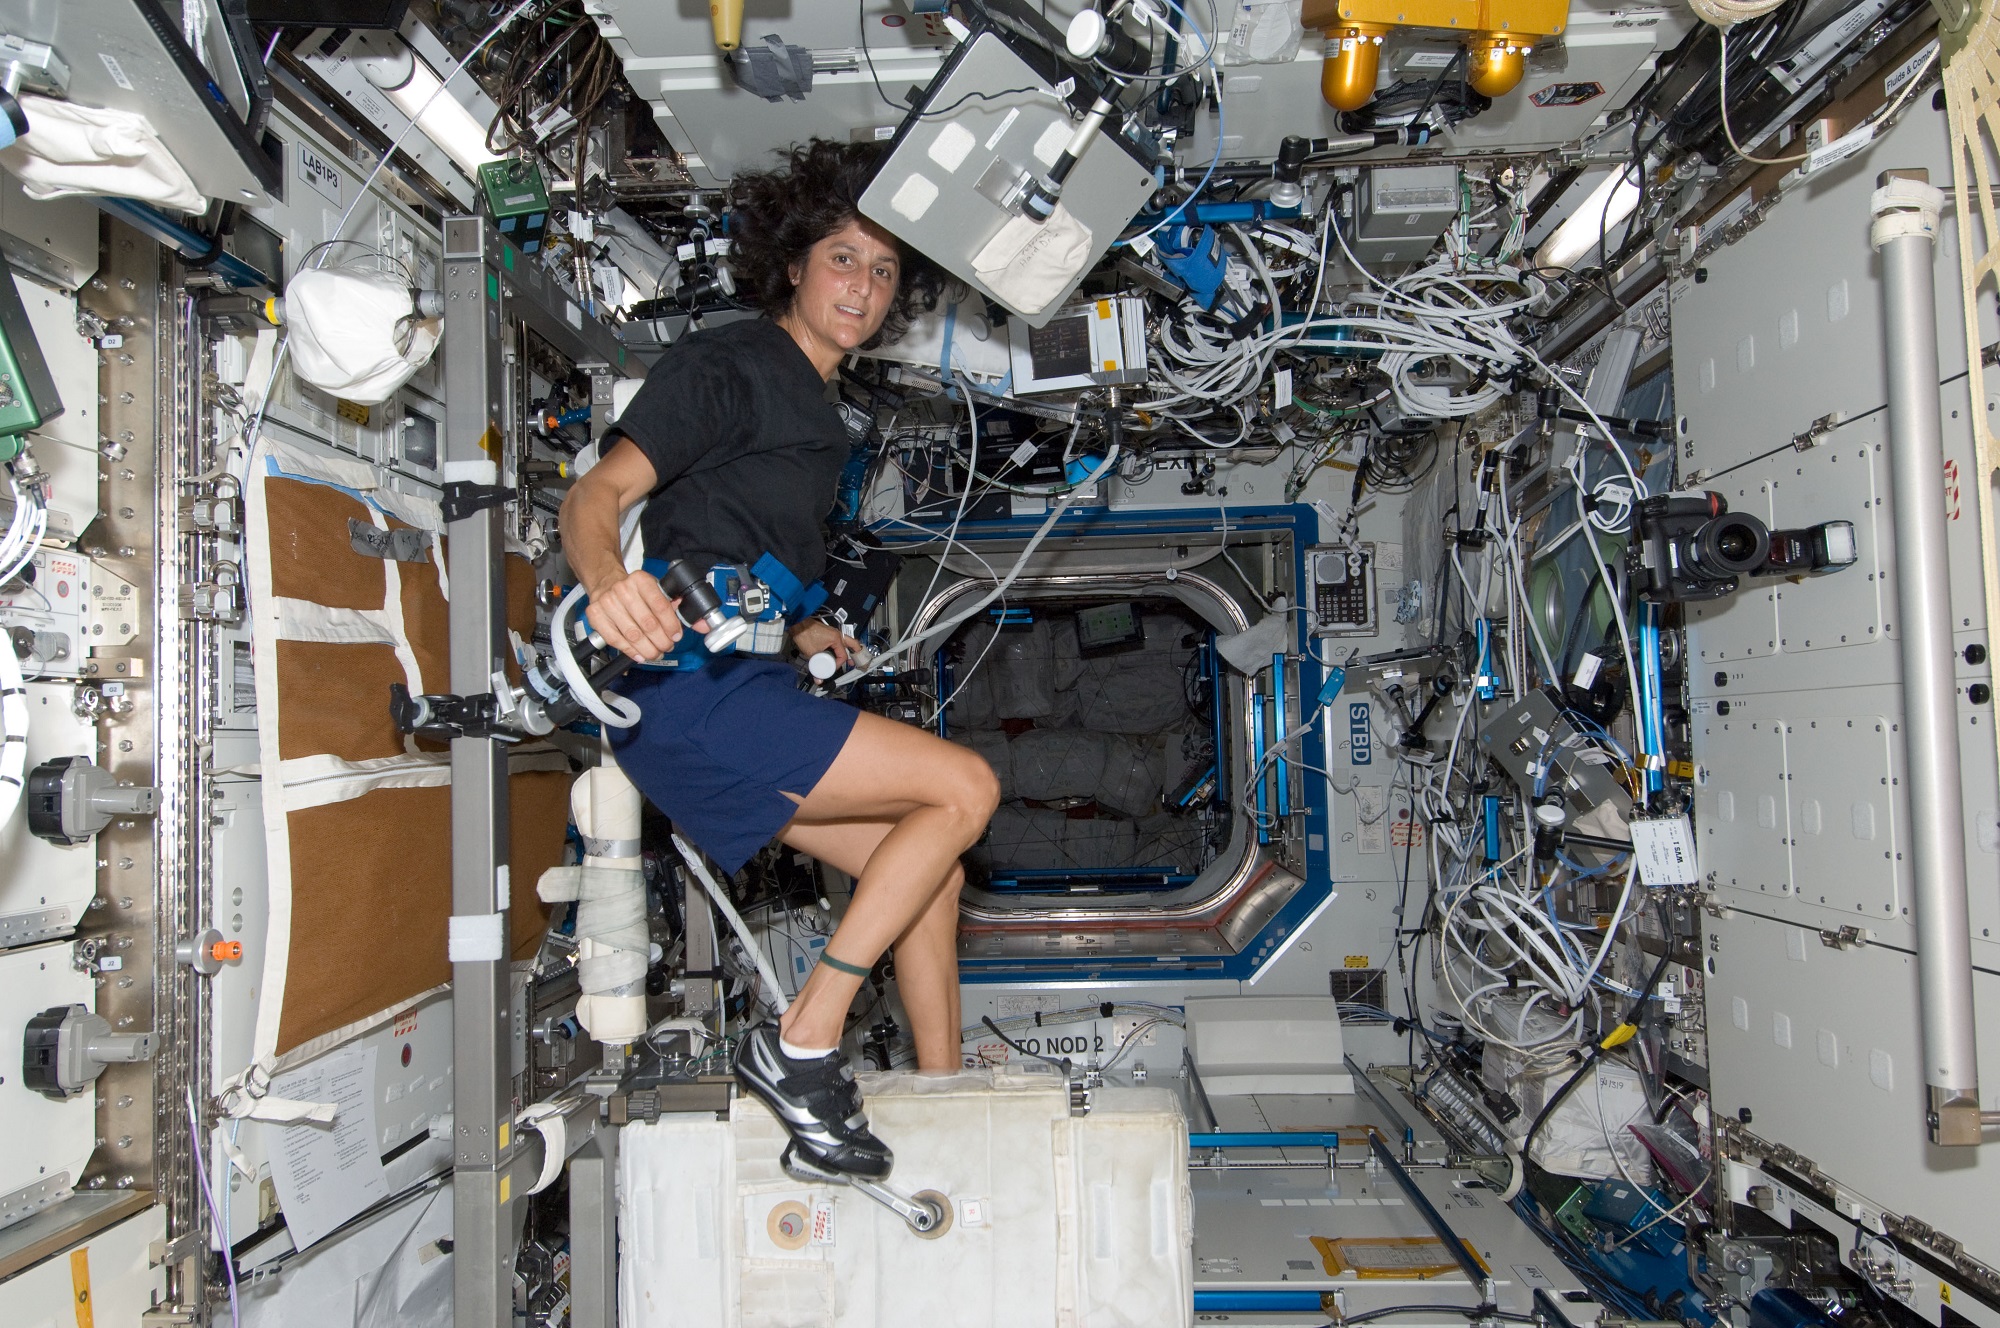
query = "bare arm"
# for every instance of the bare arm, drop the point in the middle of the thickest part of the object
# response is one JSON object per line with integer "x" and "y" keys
{"x": 628, "y": 608}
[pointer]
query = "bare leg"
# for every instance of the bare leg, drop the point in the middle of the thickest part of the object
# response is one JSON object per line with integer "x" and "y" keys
{"x": 939, "y": 797}
{"x": 926, "y": 952}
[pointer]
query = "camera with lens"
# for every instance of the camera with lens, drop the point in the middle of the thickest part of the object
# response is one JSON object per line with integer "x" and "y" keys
{"x": 1690, "y": 546}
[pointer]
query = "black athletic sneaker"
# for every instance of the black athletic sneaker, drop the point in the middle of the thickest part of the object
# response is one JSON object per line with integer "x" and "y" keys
{"x": 817, "y": 1100}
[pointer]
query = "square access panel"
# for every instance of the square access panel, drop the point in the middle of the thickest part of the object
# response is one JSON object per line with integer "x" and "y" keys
{"x": 990, "y": 122}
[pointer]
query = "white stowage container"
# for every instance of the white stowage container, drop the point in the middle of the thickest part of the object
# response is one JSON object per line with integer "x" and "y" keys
{"x": 1069, "y": 1222}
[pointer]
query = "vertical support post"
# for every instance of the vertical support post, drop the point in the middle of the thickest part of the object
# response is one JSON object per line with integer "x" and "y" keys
{"x": 698, "y": 926}
{"x": 482, "y": 1069}
{"x": 593, "y": 1231}
{"x": 1905, "y": 211}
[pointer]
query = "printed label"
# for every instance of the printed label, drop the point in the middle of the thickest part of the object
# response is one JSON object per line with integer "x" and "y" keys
{"x": 1371, "y": 802}
{"x": 1908, "y": 70}
{"x": 1840, "y": 149}
{"x": 1665, "y": 851}
{"x": 1360, "y": 737}
{"x": 319, "y": 173}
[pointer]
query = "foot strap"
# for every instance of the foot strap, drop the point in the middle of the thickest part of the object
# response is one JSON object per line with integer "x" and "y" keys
{"x": 842, "y": 966}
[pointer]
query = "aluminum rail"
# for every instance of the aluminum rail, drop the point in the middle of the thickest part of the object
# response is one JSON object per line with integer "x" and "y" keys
{"x": 1454, "y": 1245}
{"x": 1905, "y": 207}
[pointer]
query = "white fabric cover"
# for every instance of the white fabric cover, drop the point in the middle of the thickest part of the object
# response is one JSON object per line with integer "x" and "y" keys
{"x": 1057, "y": 763}
{"x": 1088, "y": 1220}
{"x": 1023, "y": 839}
{"x": 353, "y": 333}
{"x": 1130, "y": 784}
{"x": 1027, "y": 264}
{"x": 613, "y": 948}
{"x": 971, "y": 703}
{"x": 1022, "y": 671}
{"x": 71, "y": 150}
{"x": 1579, "y": 1135}
{"x": 1100, "y": 841}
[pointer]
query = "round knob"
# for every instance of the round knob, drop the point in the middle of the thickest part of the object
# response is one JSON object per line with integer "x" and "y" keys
{"x": 1086, "y": 34}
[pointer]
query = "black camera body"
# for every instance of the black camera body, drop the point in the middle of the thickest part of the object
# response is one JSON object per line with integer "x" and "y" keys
{"x": 1690, "y": 546}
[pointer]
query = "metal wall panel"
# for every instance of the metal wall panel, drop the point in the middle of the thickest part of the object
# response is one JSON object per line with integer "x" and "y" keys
{"x": 1802, "y": 807}
{"x": 1848, "y": 1091}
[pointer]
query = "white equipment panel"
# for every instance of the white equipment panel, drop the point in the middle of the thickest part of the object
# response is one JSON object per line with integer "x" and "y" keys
{"x": 1798, "y": 702}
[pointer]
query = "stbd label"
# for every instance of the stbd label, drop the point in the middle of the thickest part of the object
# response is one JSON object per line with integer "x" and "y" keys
{"x": 1360, "y": 737}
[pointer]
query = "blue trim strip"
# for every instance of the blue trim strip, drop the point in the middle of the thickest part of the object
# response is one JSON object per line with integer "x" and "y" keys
{"x": 1267, "y": 1139}
{"x": 1252, "y": 1302}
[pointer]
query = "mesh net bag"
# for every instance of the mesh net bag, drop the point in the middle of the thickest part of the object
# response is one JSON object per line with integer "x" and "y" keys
{"x": 1057, "y": 763}
{"x": 1130, "y": 784}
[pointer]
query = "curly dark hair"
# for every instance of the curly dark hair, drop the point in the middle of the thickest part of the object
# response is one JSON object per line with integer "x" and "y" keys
{"x": 777, "y": 216}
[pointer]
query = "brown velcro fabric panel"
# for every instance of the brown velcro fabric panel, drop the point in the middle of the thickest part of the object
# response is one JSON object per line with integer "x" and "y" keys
{"x": 333, "y": 698}
{"x": 311, "y": 557}
{"x": 519, "y": 605}
{"x": 426, "y": 620}
{"x": 371, "y": 893}
{"x": 371, "y": 889}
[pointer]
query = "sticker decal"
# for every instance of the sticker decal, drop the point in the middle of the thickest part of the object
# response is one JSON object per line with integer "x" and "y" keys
{"x": 1567, "y": 94}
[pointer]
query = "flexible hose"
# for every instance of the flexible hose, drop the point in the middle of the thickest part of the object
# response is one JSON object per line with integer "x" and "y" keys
{"x": 14, "y": 720}
{"x": 617, "y": 711}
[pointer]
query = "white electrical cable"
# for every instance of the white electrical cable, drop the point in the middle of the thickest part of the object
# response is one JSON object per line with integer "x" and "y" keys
{"x": 24, "y": 532}
{"x": 14, "y": 725}
{"x": 909, "y": 643}
{"x": 619, "y": 712}
{"x": 765, "y": 972}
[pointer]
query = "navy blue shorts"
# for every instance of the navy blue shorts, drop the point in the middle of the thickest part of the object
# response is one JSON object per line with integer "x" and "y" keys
{"x": 717, "y": 748}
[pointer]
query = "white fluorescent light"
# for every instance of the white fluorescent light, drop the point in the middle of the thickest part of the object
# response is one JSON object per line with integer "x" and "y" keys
{"x": 1608, "y": 204}
{"x": 417, "y": 92}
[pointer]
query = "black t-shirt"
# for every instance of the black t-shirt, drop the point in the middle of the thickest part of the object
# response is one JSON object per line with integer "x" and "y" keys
{"x": 747, "y": 449}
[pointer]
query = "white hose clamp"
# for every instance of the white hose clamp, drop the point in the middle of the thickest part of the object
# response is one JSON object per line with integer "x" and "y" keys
{"x": 1904, "y": 207}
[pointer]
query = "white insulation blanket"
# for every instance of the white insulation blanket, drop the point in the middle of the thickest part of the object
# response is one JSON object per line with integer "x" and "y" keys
{"x": 1069, "y": 1222}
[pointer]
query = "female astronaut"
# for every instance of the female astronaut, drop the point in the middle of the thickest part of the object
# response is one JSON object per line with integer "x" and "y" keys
{"x": 733, "y": 441}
